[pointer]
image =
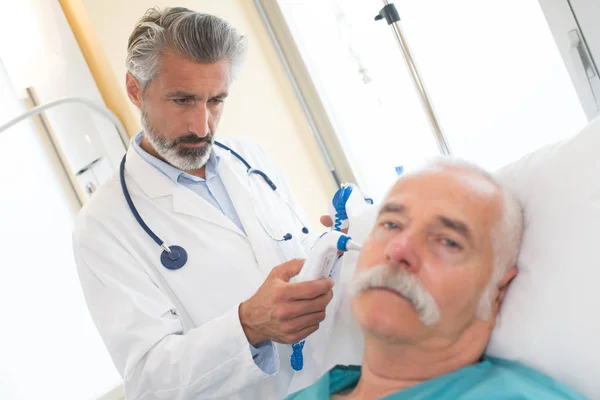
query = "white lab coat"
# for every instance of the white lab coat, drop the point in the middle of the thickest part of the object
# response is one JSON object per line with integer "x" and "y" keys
{"x": 176, "y": 334}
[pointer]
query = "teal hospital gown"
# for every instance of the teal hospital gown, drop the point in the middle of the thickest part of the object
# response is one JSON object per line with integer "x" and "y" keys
{"x": 491, "y": 379}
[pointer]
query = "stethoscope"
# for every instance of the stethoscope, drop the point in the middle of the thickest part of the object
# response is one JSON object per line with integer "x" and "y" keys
{"x": 174, "y": 257}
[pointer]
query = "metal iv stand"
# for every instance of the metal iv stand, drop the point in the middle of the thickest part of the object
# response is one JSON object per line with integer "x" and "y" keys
{"x": 390, "y": 13}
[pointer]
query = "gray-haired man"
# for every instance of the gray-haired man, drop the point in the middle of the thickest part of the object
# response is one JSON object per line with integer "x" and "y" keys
{"x": 221, "y": 325}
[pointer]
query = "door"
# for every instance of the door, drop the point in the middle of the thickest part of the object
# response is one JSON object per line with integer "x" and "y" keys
{"x": 587, "y": 13}
{"x": 574, "y": 25}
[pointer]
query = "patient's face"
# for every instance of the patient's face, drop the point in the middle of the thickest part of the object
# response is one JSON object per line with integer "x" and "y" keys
{"x": 430, "y": 257}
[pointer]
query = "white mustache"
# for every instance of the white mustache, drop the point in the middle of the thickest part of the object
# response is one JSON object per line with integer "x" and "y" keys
{"x": 403, "y": 283}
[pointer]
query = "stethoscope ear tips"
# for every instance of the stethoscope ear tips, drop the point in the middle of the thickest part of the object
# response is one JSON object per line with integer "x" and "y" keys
{"x": 175, "y": 259}
{"x": 305, "y": 230}
{"x": 287, "y": 236}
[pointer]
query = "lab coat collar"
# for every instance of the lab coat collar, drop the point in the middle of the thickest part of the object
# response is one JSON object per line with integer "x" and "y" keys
{"x": 155, "y": 184}
{"x": 151, "y": 181}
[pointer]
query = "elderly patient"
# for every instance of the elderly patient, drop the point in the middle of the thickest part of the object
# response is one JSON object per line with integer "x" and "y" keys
{"x": 429, "y": 283}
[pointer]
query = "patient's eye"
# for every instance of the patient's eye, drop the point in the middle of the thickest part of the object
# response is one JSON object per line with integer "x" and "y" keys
{"x": 390, "y": 225}
{"x": 451, "y": 244}
{"x": 386, "y": 228}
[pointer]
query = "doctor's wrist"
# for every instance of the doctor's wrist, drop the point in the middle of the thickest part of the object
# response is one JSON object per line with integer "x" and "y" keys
{"x": 253, "y": 336}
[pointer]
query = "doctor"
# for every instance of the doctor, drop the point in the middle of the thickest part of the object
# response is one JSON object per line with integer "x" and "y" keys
{"x": 185, "y": 258}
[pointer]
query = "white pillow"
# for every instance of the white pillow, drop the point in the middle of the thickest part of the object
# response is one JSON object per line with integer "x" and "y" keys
{"x": 550, "y": 319}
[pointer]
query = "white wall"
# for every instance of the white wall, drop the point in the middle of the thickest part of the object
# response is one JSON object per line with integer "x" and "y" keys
{"x": 54, "y": 67}
{"x": 40, "y": 51}
{"x": 50, "y": 348}
{"x": 262, "y": 104}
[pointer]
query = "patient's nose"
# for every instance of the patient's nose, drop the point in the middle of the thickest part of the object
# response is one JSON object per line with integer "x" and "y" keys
{"x": 401, "y": 250}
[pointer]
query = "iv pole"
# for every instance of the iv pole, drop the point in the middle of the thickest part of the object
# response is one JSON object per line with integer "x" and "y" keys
{"x": 390, "y": 13}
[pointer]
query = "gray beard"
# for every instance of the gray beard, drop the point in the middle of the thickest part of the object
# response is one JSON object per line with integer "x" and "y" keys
{"x": 185, "y": 159}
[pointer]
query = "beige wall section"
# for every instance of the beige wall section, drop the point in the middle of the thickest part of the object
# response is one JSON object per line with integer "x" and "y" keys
{"x": 262, "y": 104}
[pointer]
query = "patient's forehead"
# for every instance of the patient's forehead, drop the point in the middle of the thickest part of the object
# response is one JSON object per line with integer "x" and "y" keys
{"x": 453, "y": 178}
{"x": 449, "y": 190}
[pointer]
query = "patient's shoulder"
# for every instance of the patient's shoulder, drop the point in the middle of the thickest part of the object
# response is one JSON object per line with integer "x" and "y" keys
{"x": 514, "y": 378}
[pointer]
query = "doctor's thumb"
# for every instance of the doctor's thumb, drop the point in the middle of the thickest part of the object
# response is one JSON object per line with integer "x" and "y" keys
{"x": 287, "y": 270}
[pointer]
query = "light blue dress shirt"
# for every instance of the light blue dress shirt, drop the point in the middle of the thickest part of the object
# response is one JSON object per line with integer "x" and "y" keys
{"x": 212, "y": 190}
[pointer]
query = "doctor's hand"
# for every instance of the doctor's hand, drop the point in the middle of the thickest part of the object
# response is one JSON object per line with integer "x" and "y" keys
{"x": 285, "y": 312}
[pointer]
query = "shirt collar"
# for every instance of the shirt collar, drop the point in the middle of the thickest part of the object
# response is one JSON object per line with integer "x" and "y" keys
{"x": 173, "y": 173}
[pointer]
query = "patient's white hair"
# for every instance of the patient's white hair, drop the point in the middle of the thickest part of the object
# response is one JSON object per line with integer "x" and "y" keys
{"x": 508, "y": 231}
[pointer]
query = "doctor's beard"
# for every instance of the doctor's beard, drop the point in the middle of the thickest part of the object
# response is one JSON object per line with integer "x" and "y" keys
{"x": 403, "y": 283}
{"x": 184, "y": 158}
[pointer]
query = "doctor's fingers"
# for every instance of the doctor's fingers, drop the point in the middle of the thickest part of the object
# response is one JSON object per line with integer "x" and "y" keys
{"x": 299, "y": 328}
{"x": 287, "y": 270}
{"x": 298, "y": 308}
{"x": 308, "y": 290}
{"x": 292, "y": 338}
{"x": 326, "y": 221}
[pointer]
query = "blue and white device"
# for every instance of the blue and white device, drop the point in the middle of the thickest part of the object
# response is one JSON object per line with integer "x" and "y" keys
{"x": 347, "y": 201}
{"x": 348, "y": 198}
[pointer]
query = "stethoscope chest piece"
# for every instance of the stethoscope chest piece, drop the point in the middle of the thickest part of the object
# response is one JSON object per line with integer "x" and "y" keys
{"x": 175, "y": 259}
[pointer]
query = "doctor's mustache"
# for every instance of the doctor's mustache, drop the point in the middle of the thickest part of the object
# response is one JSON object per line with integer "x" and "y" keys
{"x": 193, "y": 139}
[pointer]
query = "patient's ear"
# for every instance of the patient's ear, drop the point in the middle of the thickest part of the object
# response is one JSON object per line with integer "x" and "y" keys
{"x": 504, "y": 283}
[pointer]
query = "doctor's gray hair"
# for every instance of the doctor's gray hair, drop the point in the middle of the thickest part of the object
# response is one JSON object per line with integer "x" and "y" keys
{"x": 202, "y": 38}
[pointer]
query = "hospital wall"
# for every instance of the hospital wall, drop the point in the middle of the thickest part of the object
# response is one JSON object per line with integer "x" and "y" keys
{"x": 262, "y": 104}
